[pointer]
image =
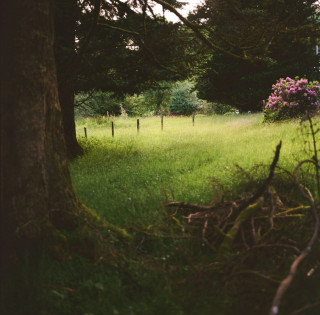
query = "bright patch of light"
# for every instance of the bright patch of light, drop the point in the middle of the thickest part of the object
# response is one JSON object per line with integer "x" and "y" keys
{"x": 190, "y": 6}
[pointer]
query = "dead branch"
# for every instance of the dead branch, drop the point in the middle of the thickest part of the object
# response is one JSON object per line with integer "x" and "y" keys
{"x": 315, "y": 151}
{"x": 296, "y": 249}
{"x": 253, "y": 229}
{"x": 285, "y": 284}
{"x": 256, "y": 273}
{"x": 244, "y": 239}
{"x": 189, "y": 206}
{"x": 287, "y": 211}
{"x": 305, "y": 308}
{"x": 229, "y": 216}
{"x": 266, "y": 183}
{"x": 232, "y": 233}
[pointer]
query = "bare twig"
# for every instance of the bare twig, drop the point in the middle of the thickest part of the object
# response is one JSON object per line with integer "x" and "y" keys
{"x": 266, "y": 183}
{"x": 255, "y": 273}
{"x": 272, "y": 208}
{"x": 244, "y": 239}
{"x": 285, "y": 284}
{"x": 315, "y": 151}
{"x": 305, "y": 308}
{"x": 296, "y": 249}
{"x": 189, "y": 206}
{"x": 253, "y": 228}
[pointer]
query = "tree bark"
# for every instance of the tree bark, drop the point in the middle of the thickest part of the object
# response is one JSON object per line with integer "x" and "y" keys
{"x": 66, "y": 98}
{"x": 37, "y": 196}
{"x": 65, "y": 25}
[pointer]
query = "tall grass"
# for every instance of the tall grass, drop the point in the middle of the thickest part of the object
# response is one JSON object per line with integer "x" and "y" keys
{"x": 129, "y": 178}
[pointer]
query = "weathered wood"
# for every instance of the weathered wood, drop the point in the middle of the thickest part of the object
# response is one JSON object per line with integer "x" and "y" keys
{"x": 244, "y": 216}
{"x": 286, "y": 282}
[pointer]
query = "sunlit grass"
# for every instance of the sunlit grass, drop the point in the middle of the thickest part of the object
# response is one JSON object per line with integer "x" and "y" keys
{"x": 129, "y": 178}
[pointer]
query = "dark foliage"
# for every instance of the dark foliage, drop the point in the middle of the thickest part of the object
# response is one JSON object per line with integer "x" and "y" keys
{"x": 276, "y": 37}
{"x": 132, "y": 52}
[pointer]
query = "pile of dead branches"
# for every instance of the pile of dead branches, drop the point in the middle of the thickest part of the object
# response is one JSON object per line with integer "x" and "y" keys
{"x": 253, "y": 221}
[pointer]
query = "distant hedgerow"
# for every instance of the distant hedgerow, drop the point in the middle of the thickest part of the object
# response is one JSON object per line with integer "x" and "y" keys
{"x": 291, "y": 98}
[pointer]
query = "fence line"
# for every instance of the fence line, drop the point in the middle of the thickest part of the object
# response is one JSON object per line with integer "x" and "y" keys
{"x": 138, "y": 126}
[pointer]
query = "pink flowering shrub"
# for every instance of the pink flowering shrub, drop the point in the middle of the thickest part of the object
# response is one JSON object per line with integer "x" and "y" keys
{"x": 291, "y": 98}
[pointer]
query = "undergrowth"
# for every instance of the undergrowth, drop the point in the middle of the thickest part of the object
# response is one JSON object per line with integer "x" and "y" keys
{"x": 173, "y": 266}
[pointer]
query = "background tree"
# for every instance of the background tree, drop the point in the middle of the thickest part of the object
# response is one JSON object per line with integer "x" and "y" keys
{"x": 131, "y": 53}
{"x": 67, "y": 13}
{"x": 153, "y": 101}
{"x": 278, "y": 37}
{"x": 254, "y": 38}
{"x": 96, "y": 103}
{"x": 122, "y": 47}
{"x": 183, "y": 99}
{"x": 158, "y": 98}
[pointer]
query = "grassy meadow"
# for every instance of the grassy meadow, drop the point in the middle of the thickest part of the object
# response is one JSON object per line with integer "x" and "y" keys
{"x": 127, "y": 179}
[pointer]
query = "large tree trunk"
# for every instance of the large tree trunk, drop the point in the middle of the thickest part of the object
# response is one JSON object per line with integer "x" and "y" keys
{"x": 37, "y": 196}
{"x": 65, "y": 24}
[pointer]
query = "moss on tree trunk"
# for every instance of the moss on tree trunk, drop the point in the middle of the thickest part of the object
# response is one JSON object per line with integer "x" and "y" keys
{"x": 39, "y": 207}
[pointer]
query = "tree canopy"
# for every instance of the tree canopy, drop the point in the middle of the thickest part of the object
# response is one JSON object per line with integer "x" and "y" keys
{"x": 130, "y": 50}
{"x": 115, "y": 46}
{"x": 272, "y": 38}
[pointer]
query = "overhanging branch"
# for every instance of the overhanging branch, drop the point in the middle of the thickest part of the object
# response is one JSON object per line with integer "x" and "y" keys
{"x": 196, "y": 29}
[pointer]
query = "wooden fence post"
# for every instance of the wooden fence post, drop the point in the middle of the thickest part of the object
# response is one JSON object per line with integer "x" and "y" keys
{"x": 193, "y": 119}
{"x": 112, "y": 128}
{"x": 161, "y": 121}
{"x": 138, "y": 125}
{"x": 85, "y": 132}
